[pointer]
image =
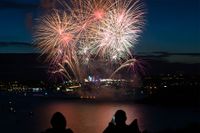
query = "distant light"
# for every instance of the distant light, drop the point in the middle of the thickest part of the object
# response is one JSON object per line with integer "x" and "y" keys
{"x": 58, "y": 89}
{"x": 165, "y": 86}
{"x": 86, "y": 80}
{"x": 69, "y": 90}
{"x": 11, "y": 108}
{"x": 89, "y": 78}
{"x": 35, "y": 89}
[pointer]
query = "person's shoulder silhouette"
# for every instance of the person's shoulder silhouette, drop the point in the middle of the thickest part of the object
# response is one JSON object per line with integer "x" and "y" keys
{"x": 118, "y": 124}
{"x": 58, "y": 123}
{"x": 134, "y": 126}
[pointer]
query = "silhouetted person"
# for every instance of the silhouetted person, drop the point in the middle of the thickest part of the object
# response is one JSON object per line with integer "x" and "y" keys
{"x": 118, "y": 124}
{"x": 59, "y": 124}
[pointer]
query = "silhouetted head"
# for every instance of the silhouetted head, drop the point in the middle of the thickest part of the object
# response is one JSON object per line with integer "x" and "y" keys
{"x": 120, "y": 117}
{"x": 58, "y": 121}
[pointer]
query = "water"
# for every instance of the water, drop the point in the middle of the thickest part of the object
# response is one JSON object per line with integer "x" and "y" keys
{"x": 93, "y": 117}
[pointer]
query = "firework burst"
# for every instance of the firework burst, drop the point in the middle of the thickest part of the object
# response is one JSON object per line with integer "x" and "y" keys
{"x": 118, "y": 32}
{"x": 56, "y": 37}
{"x": 86, "y": 29}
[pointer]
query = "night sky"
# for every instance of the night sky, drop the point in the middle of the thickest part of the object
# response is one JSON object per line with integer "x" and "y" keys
{"x": 172, "y": 27}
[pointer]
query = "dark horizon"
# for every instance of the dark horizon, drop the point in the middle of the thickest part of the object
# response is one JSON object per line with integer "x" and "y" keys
{"x": 32, "y": 66}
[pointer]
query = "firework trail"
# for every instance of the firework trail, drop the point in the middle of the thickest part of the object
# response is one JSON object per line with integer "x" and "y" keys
{"x": 136, "y": 65}
{"x": 86, "y": 29}
{"x": 56, "y": 37}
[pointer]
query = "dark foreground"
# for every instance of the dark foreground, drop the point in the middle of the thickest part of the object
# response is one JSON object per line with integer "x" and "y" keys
{"x": 32, "y": 115}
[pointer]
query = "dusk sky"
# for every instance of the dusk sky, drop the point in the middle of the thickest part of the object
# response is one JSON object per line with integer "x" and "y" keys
{"x": 172, "y": 26}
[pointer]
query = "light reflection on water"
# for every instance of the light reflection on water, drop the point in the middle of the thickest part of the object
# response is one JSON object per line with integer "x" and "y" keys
{"x": 88, "y": 117}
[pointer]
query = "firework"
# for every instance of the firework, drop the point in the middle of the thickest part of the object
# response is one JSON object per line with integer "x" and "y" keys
{"x": 118, "y": 32}
{"x": 56, "y": 37}
{"x": 137, "y": 66}
{"x": 54, "y": 34}
{"x": 85, "y": 29}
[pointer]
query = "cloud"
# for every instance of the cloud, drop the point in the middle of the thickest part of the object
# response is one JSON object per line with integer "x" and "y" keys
{"x": 8, "y": 4}
{"x": 172, "y": 57}
{"x": 172, "y": 53}
{"x": 17, "y": 47}
{"x": 8, "y": 44}
{"x": 166, "y": 54}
